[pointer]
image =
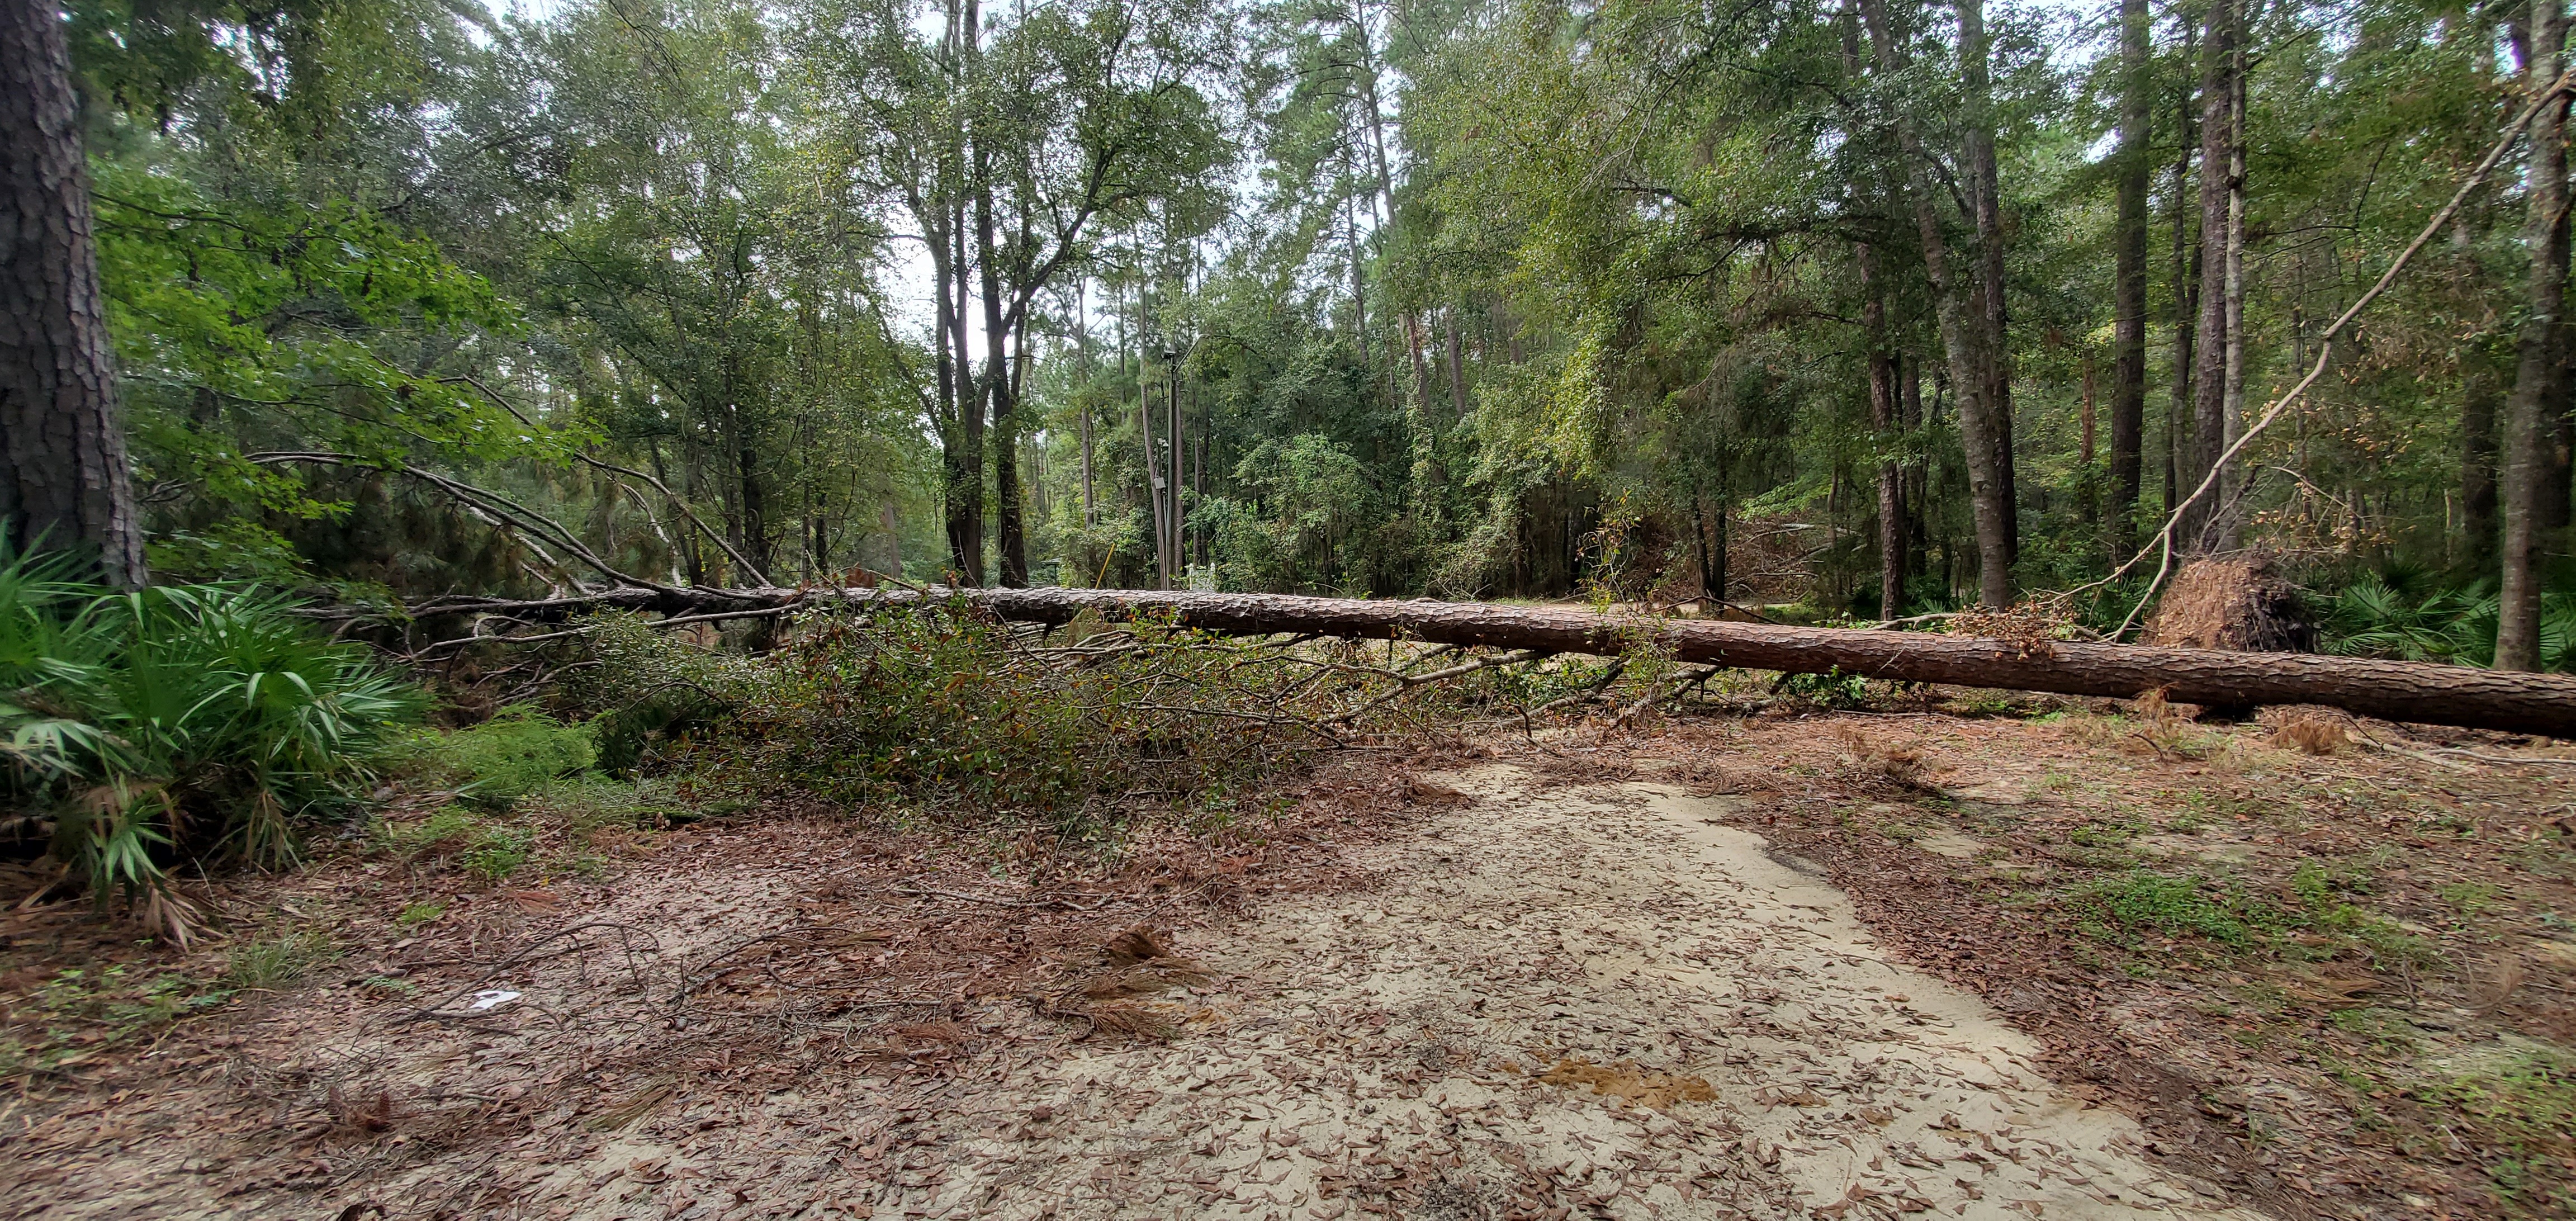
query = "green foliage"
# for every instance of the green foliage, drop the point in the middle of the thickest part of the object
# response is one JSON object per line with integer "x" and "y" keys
{"x": 1831, "y": 689}
{"x": 201, "y": 721}
{"x": 2323, "y": 908}
{"x": 123, "y": 1003}
{"x": 509, "y": 756}
{"x": 2402, "y": 614}
{"x": 419, "y": 913}
{"x": 938, "y": 710}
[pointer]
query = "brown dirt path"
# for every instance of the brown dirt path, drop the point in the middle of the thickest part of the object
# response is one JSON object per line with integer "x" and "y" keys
{"x": 1447, "y": 1039}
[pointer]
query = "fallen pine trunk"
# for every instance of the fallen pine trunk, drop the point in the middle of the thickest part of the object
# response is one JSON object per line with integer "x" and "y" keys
{"x": 2396, "y": 690}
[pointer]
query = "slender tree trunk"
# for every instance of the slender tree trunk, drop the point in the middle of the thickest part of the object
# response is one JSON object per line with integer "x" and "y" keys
{"x": 2526, "y": 432}
{"x": 2186, "y": 303}
{"x": 2472, "y": 547}
{"x": 1154, "y": 487}
{"x": 2129, "y": 287}
{"x": 1883, "y": 417}
{"x": 2230, "y": 511}
{"x": 757, "y": 545}
{"x": 63, "y": 479}
{"x": 1457, "y": 365}
{"x": 1987, "y": 206}
{"x": 964, "y": 469}
{"x": 1717, "y": 548}
{"x": 1171, "y": 472}
{"x": 2089, "y": 488}
{"x": 1916, "y": 493}
{"x": 1958, "y": 308}
{"x": 1082, "y": 353}
{"x": 2209, "y": 372}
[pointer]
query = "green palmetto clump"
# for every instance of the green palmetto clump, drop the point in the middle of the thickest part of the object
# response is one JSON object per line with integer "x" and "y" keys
{"x": 198, "y": 723}
{"x": 2392, "y": 616}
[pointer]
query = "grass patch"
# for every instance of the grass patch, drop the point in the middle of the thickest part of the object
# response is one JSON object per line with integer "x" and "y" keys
{"x": 270, "y": 963}
{"x": 494, "y": 764}
{"x": 498, "y": 853}
{"x": 80, "y": 1011}
{"x": 2522, "y": 1107}
{"x": 2468, "y": 898}
{"x": 2173, "y": 906}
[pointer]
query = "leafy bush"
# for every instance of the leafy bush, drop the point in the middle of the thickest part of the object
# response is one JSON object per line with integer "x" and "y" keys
{"x": 204, "y": 723}
{"x": 507, "y": 757}
{"x": 1832, "y": 689}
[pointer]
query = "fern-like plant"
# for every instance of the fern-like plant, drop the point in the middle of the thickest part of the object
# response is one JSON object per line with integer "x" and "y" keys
{"x": 195, "y": 723}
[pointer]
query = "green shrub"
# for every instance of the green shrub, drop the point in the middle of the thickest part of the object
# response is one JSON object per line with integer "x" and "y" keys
{"x": 941, "y": 709}
{"x": 1831, "y": 689}
{"x": 420, "y": 913}
{"x": 518, "y": 751}
{"x": 205, "y": 723}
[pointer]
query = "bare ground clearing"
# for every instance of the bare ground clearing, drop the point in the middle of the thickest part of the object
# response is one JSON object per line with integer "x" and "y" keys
{"x": 1836, "y": 965}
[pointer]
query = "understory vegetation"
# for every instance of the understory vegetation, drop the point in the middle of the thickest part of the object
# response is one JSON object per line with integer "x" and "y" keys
{"x": 203, "y": 724}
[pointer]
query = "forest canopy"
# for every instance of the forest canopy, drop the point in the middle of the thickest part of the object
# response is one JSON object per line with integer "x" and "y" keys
{"x": 1853, "y": 311}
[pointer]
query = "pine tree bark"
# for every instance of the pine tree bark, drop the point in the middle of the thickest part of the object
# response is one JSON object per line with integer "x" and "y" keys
{"x": 2420, "y": 692}
{"x": 1987, "y": 212}
{"x": 2129, "y": 278}
{"x": 2229, "y": 513}
{"x": 2186, "y": 304}
{"x": 63, "y": 479}
{"x": 2209, "y": 372}
{"x": 2526, "y": 431}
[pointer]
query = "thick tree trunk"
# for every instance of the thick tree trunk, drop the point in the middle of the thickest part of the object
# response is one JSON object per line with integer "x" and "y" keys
{"x": 63, "y": 480}
{"x": 2527, "y": 433}
{"x": 964, "y": 465}
{"x": 2129, "y": 280}
{"x": 1008, "y": 526}
{"x": 2398, "y": 690}
{"x": 2209, "y": 373}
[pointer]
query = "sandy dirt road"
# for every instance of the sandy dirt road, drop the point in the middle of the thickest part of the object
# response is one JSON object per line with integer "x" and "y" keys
{"x": 1589, "y": 1001}
{"x": 1555, "y": 999}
